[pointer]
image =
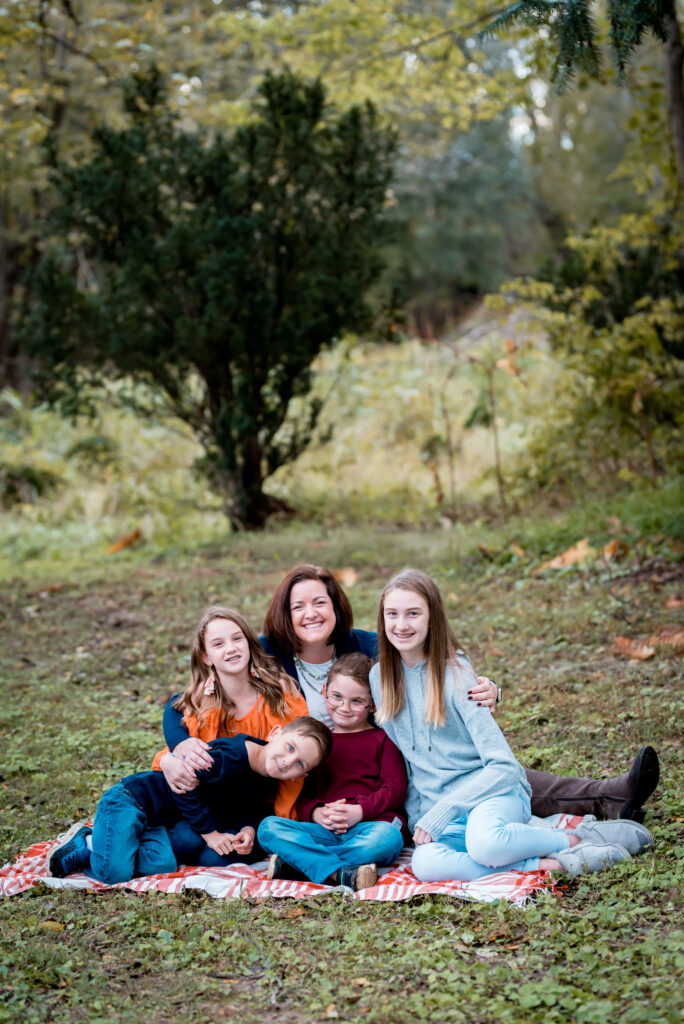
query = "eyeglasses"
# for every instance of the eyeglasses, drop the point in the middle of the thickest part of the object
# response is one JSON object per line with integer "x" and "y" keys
{"x": 355, "y": 704}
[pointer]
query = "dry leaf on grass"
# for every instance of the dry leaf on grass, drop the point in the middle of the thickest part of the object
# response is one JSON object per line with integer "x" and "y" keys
{"x": 614, "y": 549}
{"x": 125, "y": 542}
{"x": 635, "y": 649}
{"x": 676, "y": 601}
{"x": 517, "y": 550}
{"x": 668, "y": 637}
{"x": 346, "y": 577}
{"x": 576, "y": 555}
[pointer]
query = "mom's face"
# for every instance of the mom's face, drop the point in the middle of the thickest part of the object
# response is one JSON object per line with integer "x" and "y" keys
{"x": 312, "y": 612}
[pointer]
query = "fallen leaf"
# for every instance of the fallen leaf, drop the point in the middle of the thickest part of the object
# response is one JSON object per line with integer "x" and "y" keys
{"x": 634, "y": 649}
{"x": 362, "y": 981}
{"x": 517, "y": 550}
{"x": 331, "y": 1011}
{"x": 614, "y": 549}
{"x": 576, "y": 555}
{"x": 295, "y": 912}
{"x": 495, "y": 651}
{"x": 452, "y": 598}
{"x": 125, "y": 542}
{"x": 51, "y": 926}
{"x": 347, "y": 577}
{"x": 671, "y": 637}
{"x": 676, "y": 601}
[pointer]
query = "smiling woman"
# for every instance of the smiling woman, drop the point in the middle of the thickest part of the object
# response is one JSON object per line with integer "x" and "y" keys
{"x": 308, "y": 625}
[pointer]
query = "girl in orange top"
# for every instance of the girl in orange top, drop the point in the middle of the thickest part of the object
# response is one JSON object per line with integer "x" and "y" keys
{"x": 235, "y": 688}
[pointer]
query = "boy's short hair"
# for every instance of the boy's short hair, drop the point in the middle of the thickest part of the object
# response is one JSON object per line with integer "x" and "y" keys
{"x": 313, "y": 729}
{"x": 356, "y": 665}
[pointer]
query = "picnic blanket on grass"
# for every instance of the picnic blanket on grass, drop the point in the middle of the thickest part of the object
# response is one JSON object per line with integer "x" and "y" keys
{"x": 250, "y": 882}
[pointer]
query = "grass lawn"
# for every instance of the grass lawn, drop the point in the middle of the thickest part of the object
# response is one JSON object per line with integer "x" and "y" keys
{"x": 89, "y": 658}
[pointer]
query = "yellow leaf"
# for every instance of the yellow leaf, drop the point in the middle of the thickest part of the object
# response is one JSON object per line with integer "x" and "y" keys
{"x": 51, "y": 926}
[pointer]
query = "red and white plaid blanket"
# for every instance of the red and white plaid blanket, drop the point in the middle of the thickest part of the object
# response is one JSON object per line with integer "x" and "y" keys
{"x": 394, "y": 884}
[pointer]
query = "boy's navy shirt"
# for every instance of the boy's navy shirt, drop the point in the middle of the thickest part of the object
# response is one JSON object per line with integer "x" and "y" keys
{"x": 230, "y": 794}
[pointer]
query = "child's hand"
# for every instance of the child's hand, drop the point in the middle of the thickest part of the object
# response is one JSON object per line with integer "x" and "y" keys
{"x": 484, "y": 693}
{"x": 420, "y": 836}
{"x": 179, "y": 776}
{"x": 330, "y": 817}
{"x": 243, "y": 841}
{"x": 194, "y": 752}
{"x": 220, "y": 842}
{"x": 345, "y": 815}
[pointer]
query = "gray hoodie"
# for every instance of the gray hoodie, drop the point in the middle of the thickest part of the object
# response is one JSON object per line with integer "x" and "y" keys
{"x": 454, "y": 767}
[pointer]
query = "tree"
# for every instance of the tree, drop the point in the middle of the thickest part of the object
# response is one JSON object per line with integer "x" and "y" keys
{"x": 575, "y": 38}
{"x": 214, "y": 268}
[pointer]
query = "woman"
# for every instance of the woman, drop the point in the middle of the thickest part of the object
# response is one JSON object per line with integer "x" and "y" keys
{"x": 309, "y": 623}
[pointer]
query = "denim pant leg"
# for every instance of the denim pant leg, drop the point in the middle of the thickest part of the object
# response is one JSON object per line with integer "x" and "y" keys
{"x": 304, "y": 845}
{"x": 186, "y": 843}
{"x": 117, "y": 830}
{"x": 371, "y": 842}
{"x": 155, "y": 853}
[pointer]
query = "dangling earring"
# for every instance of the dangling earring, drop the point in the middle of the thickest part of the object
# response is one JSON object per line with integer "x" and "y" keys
{"x": 210, "y": 683}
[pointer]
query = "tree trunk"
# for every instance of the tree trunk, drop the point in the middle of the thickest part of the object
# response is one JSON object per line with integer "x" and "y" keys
{"x": 674, "y": 51}
{"x": 245, "y": 503}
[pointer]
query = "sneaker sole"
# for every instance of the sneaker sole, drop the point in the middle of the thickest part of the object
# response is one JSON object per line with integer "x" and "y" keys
{"x": 68, "y": 836}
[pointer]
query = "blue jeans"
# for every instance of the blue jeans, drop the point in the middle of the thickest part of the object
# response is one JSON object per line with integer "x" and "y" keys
{"x": 190, "y": 848}
{"x": 318, "y": 853}
{"x": 492, "y": 837}
{"x": 124, "y": 846}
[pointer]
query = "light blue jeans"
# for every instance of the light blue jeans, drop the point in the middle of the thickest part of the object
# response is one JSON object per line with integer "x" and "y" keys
{"x": 317, "y": 852}
{"x": 124, "y": 846}
{"x": 492, "y": 837}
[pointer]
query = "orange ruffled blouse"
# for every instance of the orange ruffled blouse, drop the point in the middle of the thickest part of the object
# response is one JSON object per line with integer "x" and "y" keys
{"x": 258, "y": 722}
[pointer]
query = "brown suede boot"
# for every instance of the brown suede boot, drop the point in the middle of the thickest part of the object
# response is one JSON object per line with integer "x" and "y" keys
{"x": 619, "y": 797}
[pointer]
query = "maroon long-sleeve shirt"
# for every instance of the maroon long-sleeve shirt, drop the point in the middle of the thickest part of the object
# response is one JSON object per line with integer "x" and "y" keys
{"x": 364, "y": 768}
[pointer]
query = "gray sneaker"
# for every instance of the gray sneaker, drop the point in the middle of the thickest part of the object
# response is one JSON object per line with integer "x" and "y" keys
{"x": 587, "y": 857}
{"x": 634, "y": 837}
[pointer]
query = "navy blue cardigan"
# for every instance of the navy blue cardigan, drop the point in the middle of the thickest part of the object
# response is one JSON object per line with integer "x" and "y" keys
{"x": 357, "y": 640}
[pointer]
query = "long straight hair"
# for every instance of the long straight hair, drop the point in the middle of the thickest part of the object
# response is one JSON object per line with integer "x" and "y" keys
{"x": 441, "y": 647}
{"x": 265, "y": 674}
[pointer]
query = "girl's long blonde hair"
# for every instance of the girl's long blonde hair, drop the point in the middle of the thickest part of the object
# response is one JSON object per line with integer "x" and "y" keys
{"x": 265, "y": 673}
{"x": 441, "y": 648}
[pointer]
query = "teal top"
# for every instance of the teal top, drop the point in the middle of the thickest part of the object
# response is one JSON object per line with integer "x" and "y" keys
{"x": 454, "y": 767}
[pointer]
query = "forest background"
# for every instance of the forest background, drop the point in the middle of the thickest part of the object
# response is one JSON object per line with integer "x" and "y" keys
{"x": 479, "y": 371}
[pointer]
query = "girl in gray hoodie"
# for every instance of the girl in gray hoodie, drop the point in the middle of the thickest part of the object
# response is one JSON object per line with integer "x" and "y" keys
{"x": 468, "y": 798}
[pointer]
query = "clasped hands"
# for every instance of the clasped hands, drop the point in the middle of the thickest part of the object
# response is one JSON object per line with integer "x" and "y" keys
{"x": 226, "y": 842}
{"x": 338, "y": 816}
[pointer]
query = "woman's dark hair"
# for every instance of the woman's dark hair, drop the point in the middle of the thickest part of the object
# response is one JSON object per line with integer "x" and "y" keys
{"x": 278, "y": 623}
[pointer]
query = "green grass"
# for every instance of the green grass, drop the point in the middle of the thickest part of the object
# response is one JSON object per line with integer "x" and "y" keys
{"x": 85, "y": 672}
